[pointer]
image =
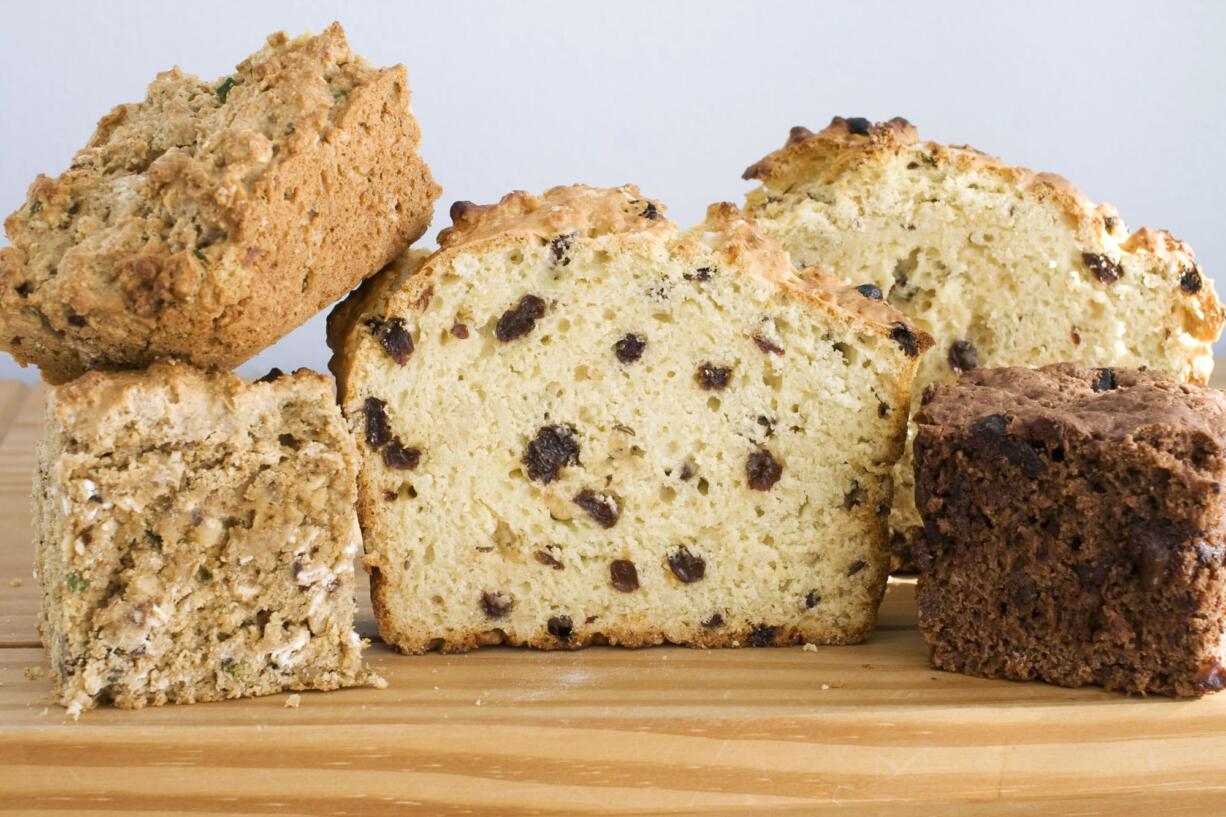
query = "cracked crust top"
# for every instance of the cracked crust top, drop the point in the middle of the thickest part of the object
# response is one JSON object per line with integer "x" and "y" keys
{"x": 848, "y": 144}
{"x": 210, "y": 219}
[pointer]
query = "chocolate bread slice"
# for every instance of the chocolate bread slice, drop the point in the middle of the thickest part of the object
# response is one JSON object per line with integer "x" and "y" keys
{"x": 1073, "y": 528}
{"x": 1002, "y": 266}
{"x": 578, "y": 425}
{"x": 196, "y": 538}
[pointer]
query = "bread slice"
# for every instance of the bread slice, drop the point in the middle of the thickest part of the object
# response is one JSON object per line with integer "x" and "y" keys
{"x": 1002, "y": 266}
{"x": 196, "y": 538}
{"x": 212, "y": 218}
{"x": 579, "y": 426}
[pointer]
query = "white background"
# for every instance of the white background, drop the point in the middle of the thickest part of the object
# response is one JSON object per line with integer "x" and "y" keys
{"x": 1127, "y": 99}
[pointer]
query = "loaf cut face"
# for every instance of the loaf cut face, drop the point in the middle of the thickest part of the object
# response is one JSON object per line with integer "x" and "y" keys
{"x": 1002, "y": 266}
{"x": 212, "y": 218}
{"x": 196, "y": 538}
{"x": 580, "y": 426}
{"x": 1074, "y": 529}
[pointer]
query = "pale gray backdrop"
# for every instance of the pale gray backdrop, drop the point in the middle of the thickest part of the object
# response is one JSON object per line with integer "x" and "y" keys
{"x": 1127, "y": 99}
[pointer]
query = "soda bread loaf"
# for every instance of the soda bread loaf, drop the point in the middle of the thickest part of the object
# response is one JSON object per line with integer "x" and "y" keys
{"x": 211, "y": 219}
{"x": 1074, "y": 528}
{"x": 578, "y": 425}
{"x": 196, "y": 538}
{"x": 1002, "y": 266}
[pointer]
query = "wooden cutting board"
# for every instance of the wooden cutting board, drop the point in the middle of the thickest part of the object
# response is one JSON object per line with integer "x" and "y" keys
{"x": 868, "y": 729}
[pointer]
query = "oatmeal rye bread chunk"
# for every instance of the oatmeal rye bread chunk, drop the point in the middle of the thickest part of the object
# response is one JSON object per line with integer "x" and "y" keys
{"x": 212, "y": 218}
{"x": 1074, "y": 528}
{"x": 1002, "y": 266}
{"x": 579, "y": 425}
{"x": 196, "y": 538}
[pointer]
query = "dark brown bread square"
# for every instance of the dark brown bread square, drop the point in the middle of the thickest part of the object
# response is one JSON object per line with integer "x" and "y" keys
{"x": 1073, "y": 528}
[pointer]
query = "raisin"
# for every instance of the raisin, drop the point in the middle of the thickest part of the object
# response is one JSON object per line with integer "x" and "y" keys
{"x": 560, "y": 627}
{"x": 395, "y": 455}
{"x": 650, "y": 212}
{"x": 856, "y": 567}
{"x": 859, "y": 126}
{"x": 560, "y": 248}
{"x": 601, "y": 507}
{"x": 761, "y": 636}
{"x": 1189, "y": 280}
{"x": 630, "y": 347}
{"x": 546, "y": 558}
{"x": 1104, "y": 269}
{"x": 496, "y": 605}
{"x": 390, "y": 496}
{"x": 712, "y": 377}
{"x": 701, "y": 274}
{"x": 686, "y": 566}
{"x": 812, "y": 599}
{"x": 762, "y": 470}
{"x": 768, "y": 424}
{"x": 990, "y": 435}
{"x": 520, "y": 319}
{"x": 767, "y": 346}
{"x": 963, "y": 356}
{"x": 1075, "y": 335}
{"x": 395, "y": 340}
{"x": 1104, "y": 380}
{"x": 901, "y": 334}
{"x": 75, "y": 320}
{"x": 459, "y": 330}
{"x": 273, "y": 375}
{"x": 554, "y": 448}
{"x": 24, "y": 288}
{"x": 624, "y": 575}
{"x": 870, "y": 291}
{"x": 378, "y": 430}
{"x": 716, "y": 620}
{"x": 687, "y": 472}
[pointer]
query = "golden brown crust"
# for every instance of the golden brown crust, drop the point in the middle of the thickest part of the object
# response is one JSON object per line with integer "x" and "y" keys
{"x": 845, "y": 145}
{"x": 206, "y": 225}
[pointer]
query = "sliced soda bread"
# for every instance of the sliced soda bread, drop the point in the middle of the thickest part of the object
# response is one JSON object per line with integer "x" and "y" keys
{"x": 1002, "y": 266}
{"x": 196, "y": 538}
{"x": 578, "y": 425}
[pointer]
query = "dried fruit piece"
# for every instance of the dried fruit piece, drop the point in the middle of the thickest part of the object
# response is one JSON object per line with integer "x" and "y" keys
{"x": 767, "y": 346}
{"x": 560, "y": 248}
{"x": 602, "y": 507}
{"x": 856, "y": 566}
{"x": 396, "y": 455}
{"x": 762, "y": 470}
{"x": 396, "y": 341}
{"x": 686, "y": 566}
{"x": 716, "y": 620}
{"x": 378, "y": 429}
{"x": 554, "y": 448}
{"x": 520, "y": 319}
{"x": 459, "y": 330}
{"x": 963, "y": 356}
{"x": 901, "y": 334}
{"x": 762, "y": 636}
{"x": 1190, "y": 280}
{"x": 630, "y": 347}
{"x": 546, "y": 558}
{"x": 712, "y": 377}
{"x": 1104, "y": 380}
{"x": 624, "y": 575}
{"x": 700, "y": 274}
{"x": 560, "y": 627}
{"x": 859, "y": 126}
{"x": 812, "y": 599}
{"x": 1104, "y": 269}
{"x": 870, "y": 291}
{"x": 497, "y": 604}
{"x": 650, "y": 212}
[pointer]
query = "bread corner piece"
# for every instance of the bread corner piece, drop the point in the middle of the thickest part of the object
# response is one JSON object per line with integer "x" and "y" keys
{"x": 579, "y": 425}
{"x": 1001, "y": 265}
{"x": 196, "y": 538}
{"x": 1074, "y": 528}
{"x": 212, "y": 218}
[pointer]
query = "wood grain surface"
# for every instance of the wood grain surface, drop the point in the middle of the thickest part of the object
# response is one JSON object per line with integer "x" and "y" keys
{"x": 870, "y": 729}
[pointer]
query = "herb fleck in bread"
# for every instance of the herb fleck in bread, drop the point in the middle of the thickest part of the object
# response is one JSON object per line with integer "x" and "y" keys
{"x": 212, "y": 218}
{"x": 1074, "y": 528}
{"x": 1002, "y": 266}
{"x": 578, "y": 425}
{"x": 196, "y": 538}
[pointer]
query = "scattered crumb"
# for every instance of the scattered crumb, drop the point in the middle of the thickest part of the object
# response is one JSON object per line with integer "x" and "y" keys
{"x": 436, "y": 689}
{"x": 477, "y": 702}
{"x": 46, "y": 709}
{"x": 825, "y": 686}
{"x": 836, "y": 684}
{"x": 809, "y": 647}
{"x": 378, "y": 682}
{"x": 34, "y": 673}
{"x": 293, "y": 701}
{"x": 14, "y": 582}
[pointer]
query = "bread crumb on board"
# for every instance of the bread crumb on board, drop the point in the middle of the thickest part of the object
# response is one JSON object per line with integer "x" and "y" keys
{"x": 293, "y": 701}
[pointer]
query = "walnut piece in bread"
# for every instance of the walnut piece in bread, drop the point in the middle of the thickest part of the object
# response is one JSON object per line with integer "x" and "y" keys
{"x": 1002, "y": 266}
{"x": 196, "y": 538}
{"x": 211, "y": 219}
{"x": 578, "y": 425}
